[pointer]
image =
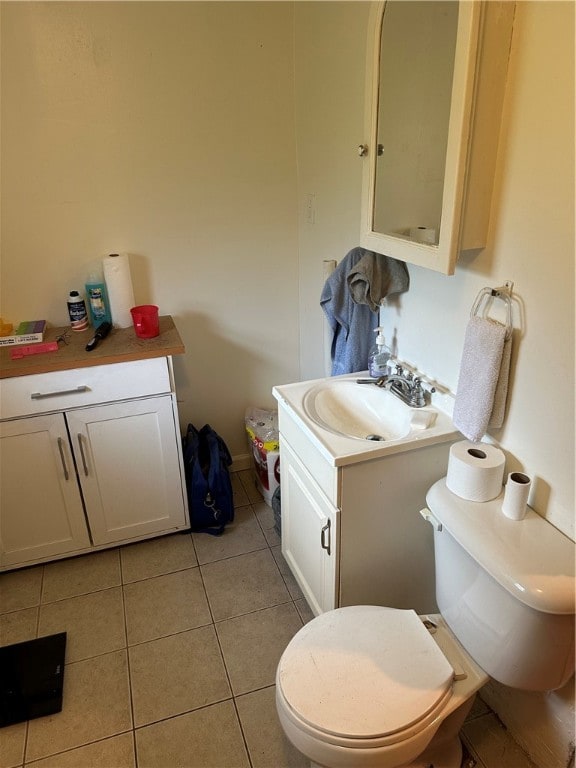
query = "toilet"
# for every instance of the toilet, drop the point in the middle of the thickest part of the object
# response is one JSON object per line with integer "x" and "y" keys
{"x": 374, "y": 687}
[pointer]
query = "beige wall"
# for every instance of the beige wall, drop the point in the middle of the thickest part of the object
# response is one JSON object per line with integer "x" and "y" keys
{"x": 330, "y": 41}
{"x": 164, "y": 130}
{"x": 531, "y": 243}
{"x": 169, "y": 131}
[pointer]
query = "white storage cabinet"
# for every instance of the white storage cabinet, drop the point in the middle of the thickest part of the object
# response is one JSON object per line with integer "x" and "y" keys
{"x": 90, "y": 458}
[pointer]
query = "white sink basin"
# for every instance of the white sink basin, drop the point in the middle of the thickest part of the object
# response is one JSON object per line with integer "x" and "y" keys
{"x": 363, "y": 411}
{"x": 350, "y": 423}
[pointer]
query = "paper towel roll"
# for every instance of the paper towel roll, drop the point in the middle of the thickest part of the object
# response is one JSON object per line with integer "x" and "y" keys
{"x": 475, "y": 470}
{"x": 516, "y": 495}
{"x": 423, "y": 235}
{"x": 120, "y": 291}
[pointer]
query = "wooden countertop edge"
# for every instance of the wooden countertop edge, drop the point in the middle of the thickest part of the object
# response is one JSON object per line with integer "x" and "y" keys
{"x": 49, "y": 361}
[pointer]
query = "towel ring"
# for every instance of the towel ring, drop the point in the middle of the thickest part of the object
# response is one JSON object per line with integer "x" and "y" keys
{"x": 497, "y": 293}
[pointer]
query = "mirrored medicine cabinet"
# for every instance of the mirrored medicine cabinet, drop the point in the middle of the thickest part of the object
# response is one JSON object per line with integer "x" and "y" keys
{"x": 436, "y": 75}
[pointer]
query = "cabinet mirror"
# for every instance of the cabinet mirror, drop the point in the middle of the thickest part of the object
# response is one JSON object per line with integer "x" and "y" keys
{"x": 421, "y": 67}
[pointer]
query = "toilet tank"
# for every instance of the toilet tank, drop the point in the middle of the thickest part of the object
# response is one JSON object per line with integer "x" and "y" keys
{"x": 506, "y": 589}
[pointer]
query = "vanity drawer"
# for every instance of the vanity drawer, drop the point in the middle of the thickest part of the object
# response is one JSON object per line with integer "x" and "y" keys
{"x": 63, "y": 390}
{"x": 325, "y": 475}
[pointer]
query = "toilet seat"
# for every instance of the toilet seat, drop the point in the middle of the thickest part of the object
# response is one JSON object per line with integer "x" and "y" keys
{"x": 364, "y": 674}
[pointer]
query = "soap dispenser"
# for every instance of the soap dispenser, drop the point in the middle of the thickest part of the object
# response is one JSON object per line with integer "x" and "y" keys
{"x": 379, "y": 356}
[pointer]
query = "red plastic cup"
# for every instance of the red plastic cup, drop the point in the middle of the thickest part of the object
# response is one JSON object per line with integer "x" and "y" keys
{"x": 145, "y": 319}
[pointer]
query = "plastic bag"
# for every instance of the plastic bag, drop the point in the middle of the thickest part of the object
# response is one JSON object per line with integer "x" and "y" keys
{"x": 263, "y": 436}
{"x": 263, "y": 424}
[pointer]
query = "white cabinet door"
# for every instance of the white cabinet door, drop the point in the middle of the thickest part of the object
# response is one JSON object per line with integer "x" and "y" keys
{"x": 310, "y": 534}
{"x": 128, "y": 461}
{"x": 41, "y": 513}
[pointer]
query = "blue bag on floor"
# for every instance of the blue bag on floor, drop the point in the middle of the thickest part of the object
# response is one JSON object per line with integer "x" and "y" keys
{"x": 208, "y": 484}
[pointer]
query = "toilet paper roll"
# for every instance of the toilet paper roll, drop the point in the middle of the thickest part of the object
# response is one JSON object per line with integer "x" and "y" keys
{"x": 475, "y": 470}
{"x": 119, "y": 286}
{"x": 425, "y": 235}
{"x": 516, "y": 495}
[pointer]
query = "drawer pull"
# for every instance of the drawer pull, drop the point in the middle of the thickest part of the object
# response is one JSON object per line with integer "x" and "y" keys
{"x": 62, "y": 458}
{"x": 325, "y": 530}
{"x": 76, "y": 390}
{"x": 84, "y": 465}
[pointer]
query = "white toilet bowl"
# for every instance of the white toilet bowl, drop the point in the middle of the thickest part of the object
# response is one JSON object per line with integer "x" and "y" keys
{"x": 372, "y": 687}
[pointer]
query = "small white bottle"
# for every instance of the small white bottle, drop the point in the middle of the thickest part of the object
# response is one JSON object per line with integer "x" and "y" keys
{"x": 379, "y": 356}
{"x": 77, "y": 312}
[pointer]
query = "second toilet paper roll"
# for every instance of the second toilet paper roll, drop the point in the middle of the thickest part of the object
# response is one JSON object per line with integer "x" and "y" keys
{"x": 516, "y": 495}
{"x": 119, "y": 286}
{"x": 475, "y": 470}
{"x": 425, "y": 235}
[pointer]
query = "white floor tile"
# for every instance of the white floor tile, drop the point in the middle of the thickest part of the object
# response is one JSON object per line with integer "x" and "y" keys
{"x": 156, "y": 557}
{"x": 269, "y": 631}
{"x": 96, "y": 705}
{"x": 266, "y": 742}
{"x": 241, "y": 536}
{"x": 19, "y": 626}
{"x": 94, "y": 623}
{"x": 243, "y": 584}
{"x": 165, "y": 604}
{"x": 207, "y": 738}
{"x": 81, "y": 575}
{"x": 183, "y": 678}
{"x": 12, "y": 741}
{"x": 20, "y": 589}
{"x": 492, "y": 743}
{"x": 116, "y": 752}
{"x": 175, "y": 674}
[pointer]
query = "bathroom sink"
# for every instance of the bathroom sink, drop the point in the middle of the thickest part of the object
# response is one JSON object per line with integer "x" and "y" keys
{"x": 363, "y": 411}
{"x": 349, "y": 422}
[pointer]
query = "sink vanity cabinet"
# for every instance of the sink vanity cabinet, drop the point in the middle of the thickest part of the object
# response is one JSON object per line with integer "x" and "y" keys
{"x": 310, "y": 529}
{"x": 351, "y": 532}
{"x": 91, "y": 447}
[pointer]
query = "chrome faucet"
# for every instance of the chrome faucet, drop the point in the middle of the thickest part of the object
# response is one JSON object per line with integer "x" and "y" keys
{"x": 407, "y": 387}
{"x": 404, "y": 385}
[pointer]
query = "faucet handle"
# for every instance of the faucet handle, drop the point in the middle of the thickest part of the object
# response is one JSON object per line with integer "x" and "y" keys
{"x": 419, "y": 391}
{"x": 399, "y": 369}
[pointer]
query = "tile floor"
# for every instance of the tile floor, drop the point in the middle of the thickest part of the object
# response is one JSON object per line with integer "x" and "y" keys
{"x": 171, "y": 653}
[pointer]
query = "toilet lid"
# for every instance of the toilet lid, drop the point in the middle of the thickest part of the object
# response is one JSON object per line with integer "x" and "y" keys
{"x": 364, "y": 672}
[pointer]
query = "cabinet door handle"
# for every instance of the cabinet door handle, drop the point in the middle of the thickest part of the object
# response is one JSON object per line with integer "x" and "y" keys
{"x": 76, "y": 390}
{"x": 325, "y": 535}
{"x": 63, "y": 458}
{"x": 84, "y": 465}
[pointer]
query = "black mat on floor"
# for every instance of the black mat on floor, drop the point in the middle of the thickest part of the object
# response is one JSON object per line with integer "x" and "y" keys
{"x": 31, "y": 679}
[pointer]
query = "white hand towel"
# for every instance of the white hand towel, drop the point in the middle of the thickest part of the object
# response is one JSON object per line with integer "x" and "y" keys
{"x": 499, "y": 409}
{"x": 479, "y": 372}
